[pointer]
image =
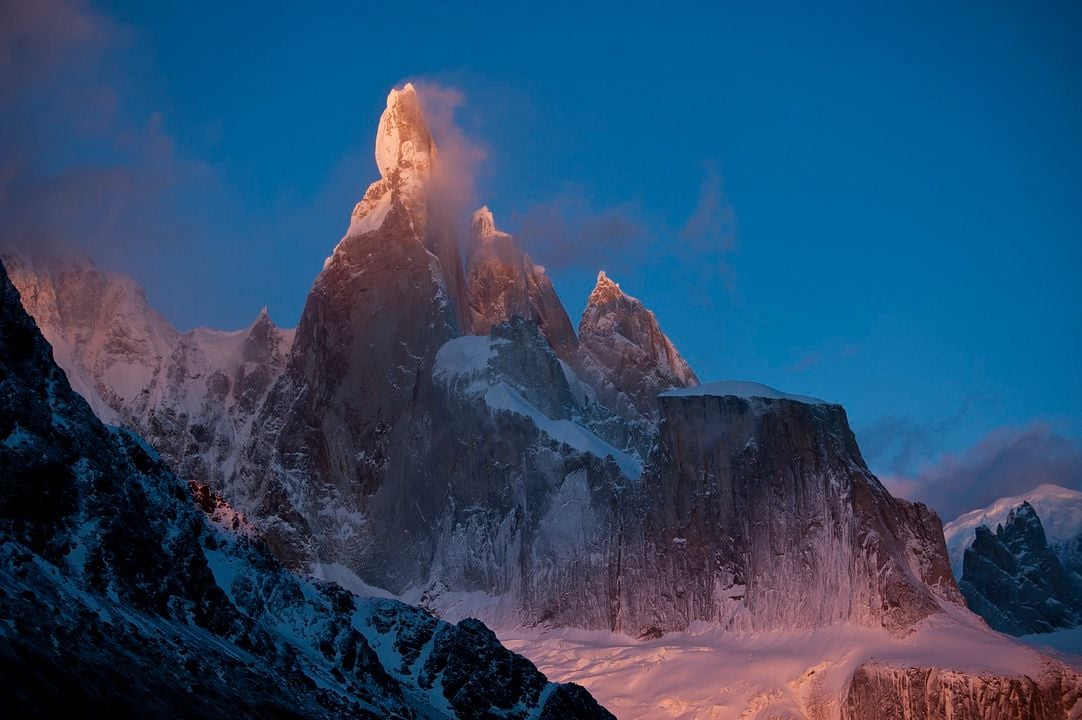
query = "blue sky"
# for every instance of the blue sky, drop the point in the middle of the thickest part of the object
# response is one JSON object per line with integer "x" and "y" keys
{"x": 891, "y": 193}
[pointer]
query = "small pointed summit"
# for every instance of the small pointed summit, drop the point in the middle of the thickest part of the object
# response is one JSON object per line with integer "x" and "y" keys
{"x": 484, "y": 227}
{"x": 626, "y": 356}
{"x": 483, "y": 224}
{"x": 405, "y": 155}
{"x": 605, "y": 289}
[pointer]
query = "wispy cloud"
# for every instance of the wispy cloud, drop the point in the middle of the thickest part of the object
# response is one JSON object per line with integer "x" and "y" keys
{"x": 831, "y": 352}
{"x": 37, "y": 38}
{"x": 462, "y": 156}
{"x": 712, "y": 225}
{"x": 897, "y": 445}
{"x": 78, "y": 169}
{"x": 1007, "y": 461}
{"x": 569, "y": 230}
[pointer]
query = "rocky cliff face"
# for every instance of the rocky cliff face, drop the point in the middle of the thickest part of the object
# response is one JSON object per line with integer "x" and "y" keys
{"x": 120, "y": 597}
{"x": 1016, "y": 582}
{"x": 193, "y": 395}
{"x": 625, "y": 355}
{"x": 761, "y": 514}
{"x": 503, "y": 283}
{"x": 349, "y": 416}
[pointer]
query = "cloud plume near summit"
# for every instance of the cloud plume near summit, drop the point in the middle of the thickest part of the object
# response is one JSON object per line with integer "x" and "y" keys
{"x": 462, "y": 157}
{"x": 570, "y": 231}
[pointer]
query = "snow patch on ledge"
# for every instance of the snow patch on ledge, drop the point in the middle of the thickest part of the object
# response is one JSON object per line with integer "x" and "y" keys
{"x": 463, "y": 364}
{"x": 741, "y": 389}
{"x": 465, "y": 356}
{"x": 368, "y": 219}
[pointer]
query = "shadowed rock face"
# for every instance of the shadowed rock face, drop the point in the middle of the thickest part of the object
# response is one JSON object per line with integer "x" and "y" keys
{"x": 762, "y": 514}
{"x": 120, "y": 598}
{"x": 352, "y": 406}
{"x": 503, "y": 283}
{"x": 1016, "y": 582}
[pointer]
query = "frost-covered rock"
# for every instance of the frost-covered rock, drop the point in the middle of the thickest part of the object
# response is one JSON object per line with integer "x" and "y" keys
{"x": 194, "y": 395}
{"x": 1016, "y": 582}
{"x": 119, "y": 597}
{"x": 881, "y": 691}
{"x": 1060, "y": 513}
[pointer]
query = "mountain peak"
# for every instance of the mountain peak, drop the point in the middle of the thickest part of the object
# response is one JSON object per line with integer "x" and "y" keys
{"x": 484, "y": 226}
{"x": 405, "y": 154}
{"x": 605, "y": 289}
{"x": 627, "y": 357}
{"x": 263, "y": 320}
{"x": 403, "y": 141}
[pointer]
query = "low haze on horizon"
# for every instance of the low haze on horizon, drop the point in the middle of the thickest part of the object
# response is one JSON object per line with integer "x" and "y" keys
{"x": 878, "y": 206}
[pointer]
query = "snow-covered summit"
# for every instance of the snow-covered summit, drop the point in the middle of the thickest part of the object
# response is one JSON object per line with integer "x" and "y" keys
{"x": 1059, "y": 508}
{"x": 403, "y": 141}
{"x": 742, "y": 389}
{"x": 405, "y": 155}
{"x": 192, "y": 394}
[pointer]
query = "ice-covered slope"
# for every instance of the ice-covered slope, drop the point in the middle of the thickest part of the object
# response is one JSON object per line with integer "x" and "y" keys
{"x": 948, "y": 668}
{"x": 114, "y": 347}
{"x": 120, "y": 598}
{"x": 472, "y": 365}
{"x": 742, "y": 389}
{"x": 1059, "y": 508}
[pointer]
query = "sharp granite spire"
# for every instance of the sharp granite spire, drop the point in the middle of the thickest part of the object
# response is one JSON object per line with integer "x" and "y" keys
{"x": 625, "y": 354}
{"x": 405, "y": 155}
{"x": 404, "y": 146}
{"x": 502, "y": 282}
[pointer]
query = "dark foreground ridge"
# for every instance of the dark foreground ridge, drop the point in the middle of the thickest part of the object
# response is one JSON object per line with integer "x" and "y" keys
{"x": 120, "y": 598}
